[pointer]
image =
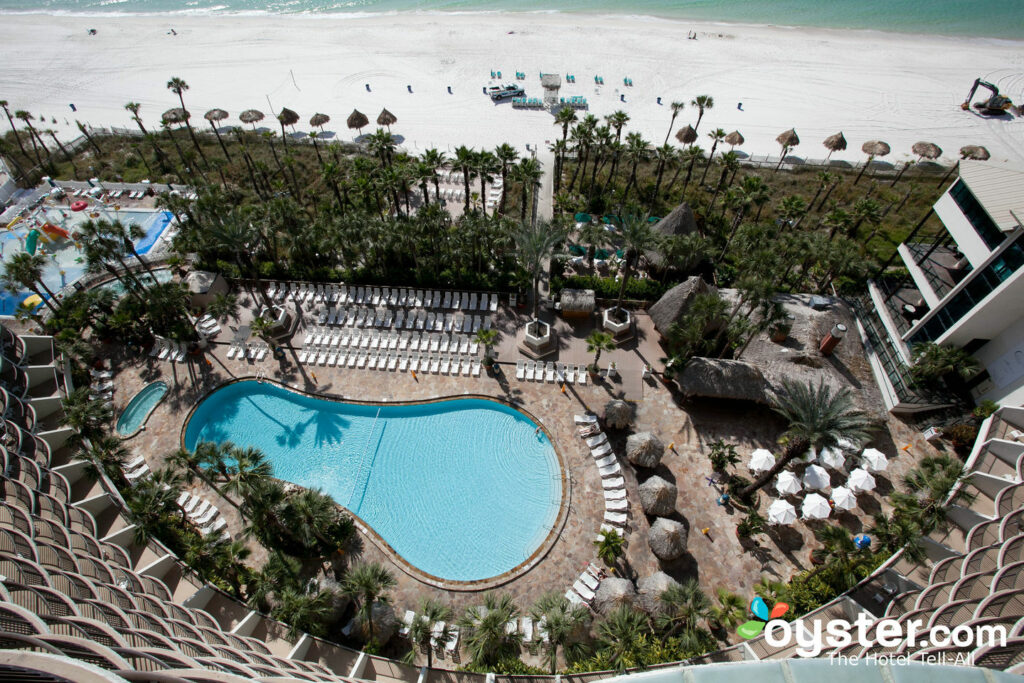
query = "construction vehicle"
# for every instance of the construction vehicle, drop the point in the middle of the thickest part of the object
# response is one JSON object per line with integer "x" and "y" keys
{"x": 996, "y": 105}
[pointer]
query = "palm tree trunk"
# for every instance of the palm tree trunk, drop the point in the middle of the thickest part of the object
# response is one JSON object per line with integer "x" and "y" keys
{"x": 504, "y": 189}
{"x": 827, "y": 195}
{"x": 223, "y": 147}
{"x": 871, "y": 157}
{"x": 711, "y": 157}
{"x": 795, "y": 448}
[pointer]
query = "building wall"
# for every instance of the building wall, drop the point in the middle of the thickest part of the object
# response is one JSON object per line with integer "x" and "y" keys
{"x": 1003, "y": 357}
{"x": 961, "y": 230}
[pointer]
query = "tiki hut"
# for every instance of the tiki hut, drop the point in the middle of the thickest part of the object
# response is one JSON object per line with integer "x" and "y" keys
{"x": 835, "y": 143}
{"x": 729, "y": 379}
{"x": 644, "y": 449}
{"x": 215, "y": 115}
{"x": 618, "y": 414}
{"x": 667, "y": 538}
{"x": 873, "y": 148}
{"x": 788, "y": 140}
{"x": 686, "y": 136}
{"x": 386, "y": 118}
{"x": 649, "y": 590}
{"x": 974, "y": 152}
{"x": 927, "y": 150}
{"x": 176, "y": 115}
{"x": 658, "y": 497}
{"x": 679, "y": 221}
{"x": 251, "y": 116}
{"x": 675, "y": 302}
{"x": 357, "y": 120}
{"x": 577, "y": 303}
{"x": 319, "y": 120}
{"x": 734, "y": 138}
{"x": 614, "y": 592}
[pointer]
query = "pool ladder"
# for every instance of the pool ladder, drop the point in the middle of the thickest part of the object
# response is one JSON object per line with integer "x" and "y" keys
{"x": 261, "y": 375}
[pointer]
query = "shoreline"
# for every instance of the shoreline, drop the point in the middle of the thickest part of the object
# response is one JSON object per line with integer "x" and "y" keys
{"x": 870, "y": 85}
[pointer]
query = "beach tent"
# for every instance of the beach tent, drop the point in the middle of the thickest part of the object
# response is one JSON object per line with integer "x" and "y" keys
{"x": 815, "y": 507}
{"x": 781, "y": 512}
{"x": 761, "y": 460}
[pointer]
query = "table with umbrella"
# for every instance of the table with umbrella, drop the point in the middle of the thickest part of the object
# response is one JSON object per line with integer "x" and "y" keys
{"x": 860, "y": 480}
{"x": 875, "y": 460}
{"x": 843, "y": 498}
{"x": 781, "y": 512}
{"x": 787, "y": 484}
{"x": 815, "y": 506}
{"x": 761, "y": 460}
{"x": 816, "y": 477}
{"x": 832, "y": 457}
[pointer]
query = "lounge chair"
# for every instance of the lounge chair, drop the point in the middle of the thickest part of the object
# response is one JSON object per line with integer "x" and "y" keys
{"x": 609, "y": 471}
{"x": 581, "y": 374}
{"x": 215, "y": 526}
{"x": 526, "y": 629}
{"x": 403, "y": 363}
{"x": 603, "y": 449}
{"x": 605, "y": 461}
{"x": 595, "y": 441}
{"x": 435, "y": 364}
{"x": 616, "y": 483}
{"x": 549, "y": 372}
{"x": 589, "y": 580}
{"x": 407, "y": 620}
{"x": 615, "y": 494}
{"x": 583, "y": 590}
{"x": 453, "y": 641}
{"x": 572, "y": 597}
{"x": 530, "y": 368}
{"x": 476, "y": 368}
{"x": 615, "y": 518}
{"x": 445, "y": 363}
{"x": 520, "y": 369}
{"x": 620, "y": 505}
{"x": 467, "y": 367}
{"x": 494, "y": 302}
{"x": 585, "y": 419}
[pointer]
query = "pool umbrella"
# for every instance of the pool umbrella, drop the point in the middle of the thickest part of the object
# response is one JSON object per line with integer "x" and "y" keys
{"x": 873, "y": 148}
{"x": 875, "y": 460}
{"x": 781, "y": 512}
{"x": 847, "y": 444}
{"x": 319, "y": 120}
{"x": 815, "y": 477}
{"x": 687, "y": 135}
{"x": 214, "y": 116}
{"x": 815, "y": 507}
{"x": 789, "y": 139}
{"x": 386, "y": 118}
{"x": 860, "y": 480}
{"x": 835, "y": 143}
{"x": 787, "y": 484}
{"x": 287, "y": 117}
{"x": 734, "y": 138}
{"x": 252, "y": 116}
{"x": 843, "y": 498}
{"x": 832, "y": 457}
{"x": 357, "y": 120}
{"x": 761, "y": 460}
{"x": 926, "y": 150}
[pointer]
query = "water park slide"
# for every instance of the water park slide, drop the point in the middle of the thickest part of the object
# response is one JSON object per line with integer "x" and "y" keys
{"x": 54, "y": 231}
{"x": 30, "y": 241}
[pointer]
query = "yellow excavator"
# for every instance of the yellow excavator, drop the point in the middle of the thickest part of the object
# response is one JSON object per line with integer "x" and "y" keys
{"x": 996, "y": 105}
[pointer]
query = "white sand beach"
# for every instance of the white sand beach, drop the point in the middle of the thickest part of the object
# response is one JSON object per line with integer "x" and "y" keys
{"x": 897, "y": 88}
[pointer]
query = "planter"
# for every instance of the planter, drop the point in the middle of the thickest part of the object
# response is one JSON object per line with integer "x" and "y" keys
{"x": 619, "y": 330}
{"x": 538, "y": 339}
{"x": 779, "y": 334}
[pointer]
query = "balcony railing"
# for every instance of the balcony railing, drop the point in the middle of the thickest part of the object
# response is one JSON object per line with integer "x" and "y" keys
{"x": 941, "y": 262}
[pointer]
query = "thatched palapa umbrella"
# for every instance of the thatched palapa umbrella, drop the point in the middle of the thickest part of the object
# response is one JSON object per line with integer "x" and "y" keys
{"x": 972, "y": 152}
{"x": 658, "y": 497}
{"x": 357, "y": 120}
{"x": 644, "y": 449}
{"x": 614, "y": 592}
{"x": 176, "y": 115}
{"x": 618, "y": 414}
{"x": 386, "y": 118}
{"x": 734, "y": 138}
{"x": 649, "y": 590}
{"x": 873, "y": 148}
{"x": 788, "y": 140}
{"x": 667, "y": 538}
{"x": 923, "y": 150}
{"x": 834, "y": 143}
{"x": 213, "y": 116}
{"x": 319, "y": 120}
{"x": 686, "y": 136}
{"x": 251, "y": 116}
{"x": 287, "y": 117}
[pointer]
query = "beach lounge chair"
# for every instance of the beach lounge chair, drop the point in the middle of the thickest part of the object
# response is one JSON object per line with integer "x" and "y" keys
{"x": 609, "y": 471}
{"x": 615, "y": 494}
{"x": 207, "y": 517}
{"x": 614, "y": 483}
{"x": 615, "y": 518}
{"x": 165, "y": 351}
{"x": 321, "y": 359}
{"x": 445, "y": 363}
{"x": 183, "y": 498}
{"x": 215, "y": 526}
{"x": 494, "y": 302}
{"x": 572, "y": 597}
{"x": 601, "y": 450}
{"x": 403, "y": 363}
{"x": 467, "y": 367}
{"x": 588, "y": 430}
{"x": 581, "y": 374}
{"x": 526, "y": 629}
{"x": 137, "y": 474}
{"x": 406, "y": 623}
{"x": 476, "y": 368}
{"x": 332, "y": 360}
{"x": 363, "y": 360}
{"x": 341, "y": 359}
{"x": 520, "y": 369}
{"x": 200, "y": 510}
{"x": 589, "y": 580}
{"x": 595, "y": 441}
{"x": 303, "y": 354}
{"x": 605, "y": 461}
{"x": 530, "y": 369}
{"x": 618, "y": 505}
{"x": 352, "y": 360}
{"x": 585, "y": 419}
{"x": 456, "y": 299}
{"x": 583, "y": 590}
{"x": 435, "y": 364}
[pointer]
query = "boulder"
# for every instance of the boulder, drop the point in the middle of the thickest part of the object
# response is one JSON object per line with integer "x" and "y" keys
{"x": 667, "y": 538}
{"x": 618, "y": 414}
{"x": 658, "y": 497}
{"x": 644, "y": 449}
{"x": 612, "y": 593}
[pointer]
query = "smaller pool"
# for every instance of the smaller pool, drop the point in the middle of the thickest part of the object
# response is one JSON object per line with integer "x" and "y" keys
{"x": 160, "y": 276}
{"x": 138, "y": 409}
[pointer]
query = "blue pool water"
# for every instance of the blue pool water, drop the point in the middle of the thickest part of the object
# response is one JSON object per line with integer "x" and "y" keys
{"x": 139, "y": 408}
{"x": 463, "y": 489}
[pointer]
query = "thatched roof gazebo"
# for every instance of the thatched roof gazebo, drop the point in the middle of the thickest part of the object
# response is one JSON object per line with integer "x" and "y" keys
{"x": 679, "y": 221}
{"x": 618, "y": 414}
{"x": 175, "y": 115}
{"x": 319, "y": 120}
{"x": 734, "y": 138}
{"x": 729, "y": 379}
{"x": 649, "y": 590}
{"x": 386, "y": 118}
{"x": 675, "y": 302}
{"x": 686, "y": 136}
{"x": 357, "y": 120}
{"x": 658, "y": 496}
{"x": 577, "y": 303}
{"x": 251, "y": 116}
{"x": 873, "y": 148}
{"x": 667, "y": 538}
{"x": 835, "y": 143}
{"x": 614, "y": 592}
{"x": 644, "y": 449}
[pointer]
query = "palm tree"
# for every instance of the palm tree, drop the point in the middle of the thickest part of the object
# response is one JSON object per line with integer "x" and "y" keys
{"x": 932, "y": 363}
{"x": 249, "y": 471}
{"x": 431, "y": 625}
{"x": 487, "y": 164}
{"x": 17, "y": 138}
{"x": 730, "y": 610}
{"x": 637, "y": 236}
{"x": 690, "y": 156}
{"x": 703, "y": 103}
{"x": 313, "y": 518}
{"x": 199, "y": 461}
{"x": 792, "y": 209}
{"x": 26, "y": 118}
{"x": 825, "y": 179}
{"x": 534, "y": 245}
{"x": 178, "y": 87}
{"x": 25, "y": 271}
{"x": 85, "y": 416}
{"x": 488, "y": 338}
{"x": 717, "y": 135}
{"x": 676, "y": 108}
{"x": 367, "y": 584}
{"x": 636, "y": 151}
{"x": 929, "y": 488}
{"x": 465, "y": 160}
{"x": 899, "y": 532}
{"x": 865, "y": 211}
{"x": 594, "y": 235}
{"x": 598, "y": 341}
{"x": 562, "y": 622}
{"x": 485, "y": 636}
{"x": 527, "y": 173}
{"x": 435, "y": 159}
{"x": 507, "y": 155}
{"x": 683, "y": 608}
{"x": 618, "y": 633}
{"x": 305, "y": 611}
{"x": 617, "y": 120}
{"x": 817, "y": 418}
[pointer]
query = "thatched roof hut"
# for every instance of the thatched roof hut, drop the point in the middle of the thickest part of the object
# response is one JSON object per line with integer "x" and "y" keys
{"x": 357, "y": 120}
{"x": 252, "y": 116}
{"x": 875, "y": 148}
{"x": 927, "y": 150}
{"x": 577, "y": 303}
{"x": 658, "y": 497}
{"x": 679, "y": 221}
{"x": 835, "y": 143}
{"x": 687, "y": 135}
{"x": 730, "y": 379}
{"x": 319, "y": 120}
{"x": 675, "y": 302}
{"x": 386, "y": 118}
{"x": 644, "y": 449}
{"x": 612, "y": 593}
{"x": 649, "y": 590}
{"x": 974, "y": 152}
{"x": 215, "y": 115}
{"x": 175, "y": 115}
{"x": 667, "y": 538}
{"x": 618, "y": 414}
{"x": 734, "y": 138}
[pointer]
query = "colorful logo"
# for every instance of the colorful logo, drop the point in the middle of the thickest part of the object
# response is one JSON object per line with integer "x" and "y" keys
{"x": 759, "y": 609}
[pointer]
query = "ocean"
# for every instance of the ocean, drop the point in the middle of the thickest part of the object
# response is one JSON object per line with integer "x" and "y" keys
{"x": 978, "y": 18}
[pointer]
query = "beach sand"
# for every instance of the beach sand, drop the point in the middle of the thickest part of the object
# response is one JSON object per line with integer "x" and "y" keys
{"x": 870, "y": 85}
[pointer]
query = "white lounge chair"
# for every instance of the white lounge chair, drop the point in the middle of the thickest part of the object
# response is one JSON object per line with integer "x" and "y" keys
{"x": 605, "y": 461}
{"x": 583, "y": 590}
{"x": 615, "y": 494}
{"x": 476, "y": 368}
{"x": 615, "y": 518}
{"x": 612, "y": 484}
{"x": 603, "y": 449}
{"x": 530, "y": 369}
{"x": 549, "y": 372}
{"x": 609, "y": 471}
{"x": 619, "y": 505}
{"x": 520, "y": 369}
{"x": 595, "y": 441}
{"x": 585, "y": 419}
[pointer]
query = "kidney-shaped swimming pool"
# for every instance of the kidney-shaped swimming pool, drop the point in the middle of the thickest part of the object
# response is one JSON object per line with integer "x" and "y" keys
{"x": 462, "y": 489}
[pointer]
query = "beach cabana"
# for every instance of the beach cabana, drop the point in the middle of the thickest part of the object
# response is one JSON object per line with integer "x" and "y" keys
{"x": 781, "y": 512}
{"x": 875, "y": 460}
{"x": 551, "y": 83}
{"x": 680, "y": 221}
{"x": 787, "y": 484}
{"x": 816, "y": 477}
{"x": 860, "y": 480}
{"x": 761, "y": 460}
{"x": 815, "y": 507}
{"x": 843, "y": 498}
{"x": 577, "y": 303}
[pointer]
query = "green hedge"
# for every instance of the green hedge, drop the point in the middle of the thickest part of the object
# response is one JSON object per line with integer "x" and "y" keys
{"x": 608, "y": 287}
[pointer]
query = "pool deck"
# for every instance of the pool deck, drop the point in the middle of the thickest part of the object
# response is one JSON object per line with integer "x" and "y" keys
{"x": 716, "y": 558}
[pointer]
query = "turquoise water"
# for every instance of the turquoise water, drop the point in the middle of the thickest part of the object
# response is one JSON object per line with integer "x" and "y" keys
{"x": 463, "y": 490}
{"x": 988, "y": 18}
{"x": 161, "y": 276}
{"x": 138, "y": 409}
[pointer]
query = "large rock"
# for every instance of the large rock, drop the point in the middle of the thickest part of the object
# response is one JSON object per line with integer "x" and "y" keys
{"x": 658, "y": 497}
{"x": 644, "y": 449}
{"x": 618, "y": 414}
{"x": 649, "y": 591}
{"x": 667, "y": 538}
{"x": 612, "y": 593}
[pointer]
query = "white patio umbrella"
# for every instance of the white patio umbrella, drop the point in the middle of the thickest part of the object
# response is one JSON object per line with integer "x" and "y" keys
{"x": 810, "y": 455}
{"x": 781, "y": 512}
{"x": 846, "y": 444}
{"x": 860, "y": 480}
{"x": 815, "y": 507}
{"x": 761, "y": 460}
{"x": 832, "y": 457}
{"x": 816, "y": 477}
{"x": 875, "y": 459}
{"x": 844, "y": 498}
{"x": 787, "y": 484}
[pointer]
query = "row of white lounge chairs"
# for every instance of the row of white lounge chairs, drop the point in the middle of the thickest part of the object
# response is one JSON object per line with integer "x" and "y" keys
{"x": 413, "y": 362}
{"x": 306, "y": 292}
{"x": 168, "y": 350}
{"x": 203, "y": 514}
{"x": 135, "y": 469}
{"x": 449, "y": 646}
{"x": 256, "y": 351}
{"x": 537, "y": 371}
{"x": 326, "y": 339}
{"x": 383, "y": 317}
{"x": 208, "y": 326}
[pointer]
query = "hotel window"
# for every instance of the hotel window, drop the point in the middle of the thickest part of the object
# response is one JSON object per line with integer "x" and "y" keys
{"x": 983, "y": 224}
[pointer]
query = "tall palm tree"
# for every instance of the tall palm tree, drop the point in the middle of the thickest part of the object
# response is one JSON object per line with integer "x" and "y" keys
{"x": 617, "y": 120}
{"x": 25, "y": 270}
{"x": 676, "y": 108}
{"x": 249, "y": 470}
{"x": 562, "y": 623}
{"x": 703, "y": 103}
{"x": 636, "y": 150}
{"x": 435, "y": 159}
{"x": 683, "y": 607}
{"x": 465, "y": 160}
{"x": 313, "y": 517}
{"x": 610, "y": 544}
{"x": 534, "y": 245}
{"x": 305, "y": 611}
{"x": 717, "y": 135}
{"x": 10, "y": 119}
{"x": 487, "y": 164}
{"x": 864, "y": 211}
{"x": 817, "y": 417}
{"x": 215, "y": 115}
{"x": 618, "y": 633}
{"x": 527, "y": 173}
{"x": 178, "y": 86}
{"x": 932, "y": 362}
{"x": 367, "y": 584}
{"x": 507, "y": 155}
{"x": 484, "y": 633}
{"x": 198, "y": 462}
{"x": 26, "y": 118}
{"x": 929, "y": 488}
{"x": 85, "y": 416}
{"x": 691, "y": 155}
{"x": 431, "y": 624}
{"x": 637, "y": 236}
{"x": 899, "y": 532}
